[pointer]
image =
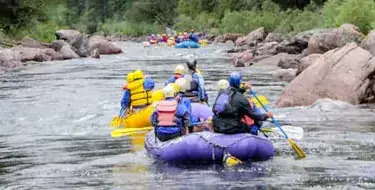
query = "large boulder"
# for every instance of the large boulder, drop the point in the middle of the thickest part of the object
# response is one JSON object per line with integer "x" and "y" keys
{"x": 64, "y": 49}
{"x": 274, "y": 37}
{"x": 243, "y": 59}
{"x": 269, "y": 60}
{"x": 36, "y": 54}
{"x": 103, "y": 45}
{"x": 9, "y": 58}
{"x": 219, "y": 39}
{"x": 231, "y": 37}
{"x": 256, "y": 36}
{"x": 267, "y": 49}
{"x": 70, "y": 36}
{"x": 227, "y": 37}
{"x": 369, "y": 42}
{"x": 291, "y": 61}
{"x": 292, "y": 46}
{"x": 78, "y": 41}
{"x": 29, "y": 42}
{"x": 323, "y": 42}
{"x": 286, "y": 75}
{"x": 307, "y": 61}
{"x": 253, "y": 38}
{"x": 344, "y": 74}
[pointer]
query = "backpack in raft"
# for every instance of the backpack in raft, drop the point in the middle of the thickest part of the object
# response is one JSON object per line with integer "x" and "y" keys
{"x": 166, "y": 113}
{"x": 222, "y": 105}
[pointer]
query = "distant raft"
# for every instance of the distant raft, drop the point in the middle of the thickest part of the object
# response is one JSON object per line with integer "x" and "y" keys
{"x": 187, "y": 44}
{"x": 207, "y": 147}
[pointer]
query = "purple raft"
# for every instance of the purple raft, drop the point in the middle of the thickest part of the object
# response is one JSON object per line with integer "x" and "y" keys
{"x": 208, "y": 147}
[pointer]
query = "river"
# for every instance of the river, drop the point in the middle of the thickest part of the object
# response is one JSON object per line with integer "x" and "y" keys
{"x": 55, "y": 130}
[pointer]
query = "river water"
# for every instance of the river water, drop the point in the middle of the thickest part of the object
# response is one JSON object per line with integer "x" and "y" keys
{"x": 55, "y": 130}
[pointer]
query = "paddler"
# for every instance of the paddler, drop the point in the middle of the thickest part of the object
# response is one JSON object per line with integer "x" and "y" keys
{"x": 193, "y": 37}
{"x": 223, "y": 85}
{"x": 171, "y": 119}
{"x": 152, "y": 39}
{"x": 231, "y": 106}
{"x": 138, "y": 93}
{"x": 178, "y": 73}
{"x": 195, "y": 83}
{"x": 164, "y": 38}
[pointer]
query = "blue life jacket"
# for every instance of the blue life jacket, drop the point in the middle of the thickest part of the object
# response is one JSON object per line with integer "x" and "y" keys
{"x": 222, "y": 105}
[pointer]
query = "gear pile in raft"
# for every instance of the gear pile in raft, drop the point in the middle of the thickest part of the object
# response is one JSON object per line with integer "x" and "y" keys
{"x": 185, "y": 128}
{"x": 181, "y": 40}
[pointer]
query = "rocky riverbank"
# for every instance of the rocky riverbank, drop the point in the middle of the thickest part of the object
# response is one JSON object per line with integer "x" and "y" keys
{"x": 336, "y": 63}
{"x": 69, "y": 44}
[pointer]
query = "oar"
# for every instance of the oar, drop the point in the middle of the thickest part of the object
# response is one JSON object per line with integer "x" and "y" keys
{"x": 116, "y": 121}
{"x": 292, "y": 131}
{"x": 128, "y": 131}
{"x": 131, "y": 131}
{"x": 262, "y": 99}
{"x": 294, "y": 145}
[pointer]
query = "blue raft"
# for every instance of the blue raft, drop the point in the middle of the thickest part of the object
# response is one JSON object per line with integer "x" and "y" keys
{"x": 187, "y": 44}
{"x": 208, "y": 147}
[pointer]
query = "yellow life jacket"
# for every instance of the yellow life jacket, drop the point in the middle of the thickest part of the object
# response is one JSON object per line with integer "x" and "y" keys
{"x": 138, "y": 95}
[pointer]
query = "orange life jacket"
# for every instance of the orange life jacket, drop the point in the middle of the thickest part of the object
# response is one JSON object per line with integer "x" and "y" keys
{"x": 246, "y": 119}
{"x": 166, "y": 113}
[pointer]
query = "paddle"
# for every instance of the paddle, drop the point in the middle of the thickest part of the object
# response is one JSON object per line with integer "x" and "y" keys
{"x": 292, "y": 131}
{"x": 116, "y": 121}
{"x": 262, "y": 99}
{"x": 128, "y": 131}
{"x": 131, "y": 131}
{"x": 294, "y": 145}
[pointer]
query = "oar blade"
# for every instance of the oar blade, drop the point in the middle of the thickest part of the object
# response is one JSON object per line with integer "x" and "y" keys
{"x": 115, "y": 121}
{"x": 293, "y": 132}
{"x": 128, "y": 131}
{"x": 263, "y": 100}
{"x": 297, "y": 149}
{"x": 230, "y": 160}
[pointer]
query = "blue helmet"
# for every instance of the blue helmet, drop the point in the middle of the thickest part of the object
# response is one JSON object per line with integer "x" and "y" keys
{"x": 235, "y": 79}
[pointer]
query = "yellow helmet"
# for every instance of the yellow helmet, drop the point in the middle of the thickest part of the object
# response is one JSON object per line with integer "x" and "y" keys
{"x": 181, "y": 82}
{"x": 180, "y": 69}
{"x": 130, "y": 77}
{"x": 175, "y": 87}
{"x": 138, "y": 74}
{"x": 168, "y": 92}
{"x": 222, "y": 84}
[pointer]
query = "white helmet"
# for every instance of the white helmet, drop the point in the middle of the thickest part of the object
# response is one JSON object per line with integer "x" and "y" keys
{"x": 180, "y": 69}
{"x": 181, "y": 82}
{"x": 222, "y": 84}
{"x": 168, "y": 92}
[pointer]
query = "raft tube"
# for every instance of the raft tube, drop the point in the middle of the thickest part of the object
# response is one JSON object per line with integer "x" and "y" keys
{"x": 187, "y": 44}
{"x": 207, "y": 147}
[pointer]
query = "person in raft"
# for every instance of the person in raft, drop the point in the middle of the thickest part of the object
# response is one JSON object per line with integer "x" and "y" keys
{"x": 223, "y": 85}
{"x": 231, "y": 106}
{"x": 178, "y": 73}
{"x": 171, "y": 119}
{"x": 152, "y": 39}
{"x": 193, "y": 37}
{"x": 138, "y": 92}
{"x": 195, "y": 84}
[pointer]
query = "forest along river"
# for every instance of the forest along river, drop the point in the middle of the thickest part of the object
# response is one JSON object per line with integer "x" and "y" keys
{"x": 55, "y": 130}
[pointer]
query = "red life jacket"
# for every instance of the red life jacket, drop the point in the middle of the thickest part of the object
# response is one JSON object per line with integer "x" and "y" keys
{"x": 246, "y": 119}
{"x": 166, "y": 113}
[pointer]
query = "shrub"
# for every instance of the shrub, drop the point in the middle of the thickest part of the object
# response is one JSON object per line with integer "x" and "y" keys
{"x": 128, "y": 28}
{"x": 360, "y": 13}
